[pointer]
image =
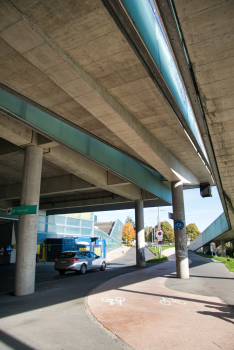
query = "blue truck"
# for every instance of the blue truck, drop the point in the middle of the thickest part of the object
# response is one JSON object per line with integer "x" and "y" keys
{"x": 54, "y": 246}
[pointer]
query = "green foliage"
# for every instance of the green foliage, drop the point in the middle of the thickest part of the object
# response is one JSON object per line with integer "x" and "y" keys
{"x": 192, "y": 230}
{"x": 129, "y": 219}
{"x": 149, "y": 233}
{"x": 168, "y": 233}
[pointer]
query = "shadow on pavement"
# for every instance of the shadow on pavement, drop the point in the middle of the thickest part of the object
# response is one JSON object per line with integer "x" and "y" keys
{"x": 222, "y": 314}
{"x": 60, "y": 289}
{"x": 215, "y": 277}
{"x": 13, "y": 343}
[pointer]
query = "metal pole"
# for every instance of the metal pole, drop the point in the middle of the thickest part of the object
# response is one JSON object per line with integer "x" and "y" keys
{"x": 159, "y": 224}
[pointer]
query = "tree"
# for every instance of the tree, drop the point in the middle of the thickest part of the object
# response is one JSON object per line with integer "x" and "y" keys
{"x": 168, "y": 233}
{"x": 129, "y": 233}
{"x": 192, "y": 230}
{"x": 148, "y": 234}
{"x": 129, "y": 219}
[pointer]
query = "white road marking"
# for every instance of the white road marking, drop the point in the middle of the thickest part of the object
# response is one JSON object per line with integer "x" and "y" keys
{"x": 169, "y": 301}
{"x": 118, "y": 300}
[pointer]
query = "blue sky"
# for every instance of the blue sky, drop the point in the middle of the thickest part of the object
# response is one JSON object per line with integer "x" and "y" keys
{"x": 198, "y": 210}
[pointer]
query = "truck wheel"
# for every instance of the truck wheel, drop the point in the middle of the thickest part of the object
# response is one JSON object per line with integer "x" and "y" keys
{"x": 83, "y": 269}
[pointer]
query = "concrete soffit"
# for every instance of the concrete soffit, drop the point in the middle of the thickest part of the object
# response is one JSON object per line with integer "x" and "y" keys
{"x": 151, "y": 183}
{"x": 153, "y": 151}
{"x": 168, "y": 13}
{"x": 84, "y": 175}
{"x": 128, "y": 29}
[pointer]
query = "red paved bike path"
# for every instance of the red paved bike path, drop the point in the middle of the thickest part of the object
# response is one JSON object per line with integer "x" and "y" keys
{"x": 145, "y": 318}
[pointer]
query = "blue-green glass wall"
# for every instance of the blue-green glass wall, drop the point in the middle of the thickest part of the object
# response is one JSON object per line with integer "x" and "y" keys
{"x": 74, "y": 225}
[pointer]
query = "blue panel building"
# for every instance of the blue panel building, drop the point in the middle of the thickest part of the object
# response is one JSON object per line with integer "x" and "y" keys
{"x": 79, "y": 225}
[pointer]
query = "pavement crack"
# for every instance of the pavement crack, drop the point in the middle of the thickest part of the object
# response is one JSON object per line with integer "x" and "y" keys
{"x": 216, "y": 344}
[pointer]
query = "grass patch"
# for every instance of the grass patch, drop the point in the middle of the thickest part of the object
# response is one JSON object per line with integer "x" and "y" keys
{"x": 157, "y": 258}
{"x": 164, "y": 247}
{"x": 229, "y": 264}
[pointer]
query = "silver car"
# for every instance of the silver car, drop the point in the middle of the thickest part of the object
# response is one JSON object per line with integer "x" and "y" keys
{"x": 79, "y": 262}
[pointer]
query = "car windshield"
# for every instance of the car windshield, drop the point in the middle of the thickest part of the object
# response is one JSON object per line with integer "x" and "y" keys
{"x": 81, "y": 255}
{"x": 67, "y": 255}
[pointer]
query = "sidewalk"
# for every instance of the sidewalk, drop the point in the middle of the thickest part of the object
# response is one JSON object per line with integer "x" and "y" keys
{"x": 145, "y": 314}
{"x": 116, "y": 253}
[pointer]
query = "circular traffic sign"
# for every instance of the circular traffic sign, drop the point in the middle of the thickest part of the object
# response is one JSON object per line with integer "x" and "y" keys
{"x": 159, "y": 233}
{"x": 179, "y": 225}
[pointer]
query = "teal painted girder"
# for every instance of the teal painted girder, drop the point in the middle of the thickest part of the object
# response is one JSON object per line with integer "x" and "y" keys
{"x": 147, "y": 21}
{"x": 95, "y": 150}
{"x": 217, "y": 227}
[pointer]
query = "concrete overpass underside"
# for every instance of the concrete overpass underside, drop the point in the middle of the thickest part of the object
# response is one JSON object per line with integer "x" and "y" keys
{"x": 208, "y": 31}
{"x": 74, "y": 62}
{"x": 78, "y": 81}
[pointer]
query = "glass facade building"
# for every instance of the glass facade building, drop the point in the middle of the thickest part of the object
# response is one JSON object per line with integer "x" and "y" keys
{"x": 77, "y": 225}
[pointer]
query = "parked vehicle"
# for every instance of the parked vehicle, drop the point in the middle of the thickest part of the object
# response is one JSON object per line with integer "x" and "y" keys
{"x": 79, "y": 261}
{"x": 55, "y": 246}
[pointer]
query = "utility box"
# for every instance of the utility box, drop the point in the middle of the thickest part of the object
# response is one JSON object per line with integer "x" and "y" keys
{"x": 205, "y": 190}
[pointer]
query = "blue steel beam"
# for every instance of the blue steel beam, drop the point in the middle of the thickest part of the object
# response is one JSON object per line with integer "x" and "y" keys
{"x": 96, "y": 151}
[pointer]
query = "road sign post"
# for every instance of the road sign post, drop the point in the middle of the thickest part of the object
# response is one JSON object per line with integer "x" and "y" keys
{"x": 160, "y": 238}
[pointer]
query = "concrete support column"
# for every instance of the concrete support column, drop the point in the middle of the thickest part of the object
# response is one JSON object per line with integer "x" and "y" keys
{"x": 223, "y": 246}
{"x": 140, "y": 233}
{"x": 182, "y": 267}
{"x": 27, "y": 230}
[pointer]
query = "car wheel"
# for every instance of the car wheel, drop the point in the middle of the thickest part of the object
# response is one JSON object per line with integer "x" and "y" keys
{"x": 83, "y": 269}
{"x": 103, "y": 267}
{"x": 62, "y": 272}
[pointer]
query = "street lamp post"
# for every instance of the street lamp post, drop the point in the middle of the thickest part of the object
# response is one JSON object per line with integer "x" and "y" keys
{"x": 153, "y": 231}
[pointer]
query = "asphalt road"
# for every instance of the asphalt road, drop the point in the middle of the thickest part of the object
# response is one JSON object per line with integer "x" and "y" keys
{"x": 55, "y": 316}
{"x": 45, "y": 272}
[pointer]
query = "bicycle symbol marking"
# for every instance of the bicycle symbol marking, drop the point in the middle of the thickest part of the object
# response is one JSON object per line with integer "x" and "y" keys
{"x": 118, "y": 300}
{"x": 169, "y": 301}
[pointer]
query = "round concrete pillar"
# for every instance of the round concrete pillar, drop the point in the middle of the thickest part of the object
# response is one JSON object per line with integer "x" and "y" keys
{"x": 27, "y": 230}
{"x": 182, "y": 266}
{"x": 223, "y": 247}
{"x": 140, "y": 233}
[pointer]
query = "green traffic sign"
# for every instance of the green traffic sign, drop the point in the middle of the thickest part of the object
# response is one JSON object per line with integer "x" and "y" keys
{"x": 29, "y": 209}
